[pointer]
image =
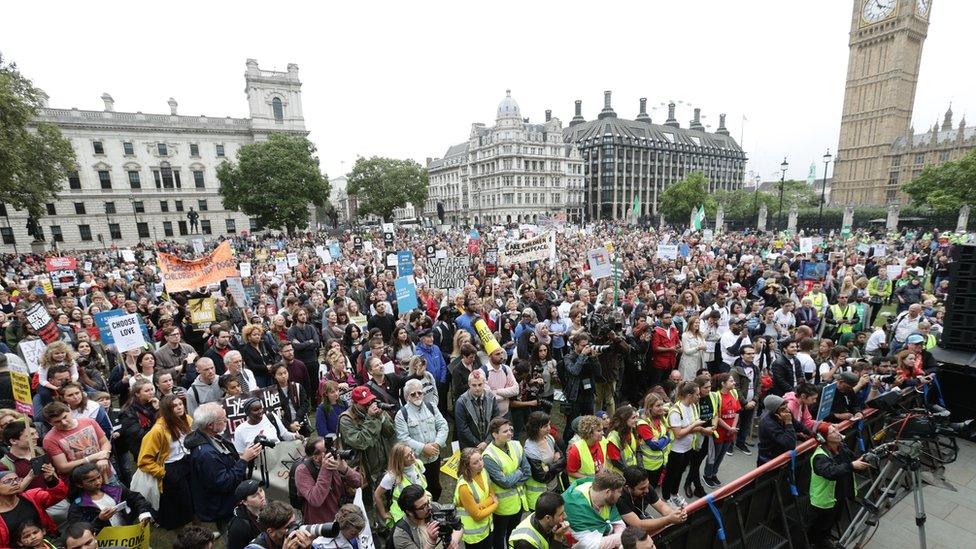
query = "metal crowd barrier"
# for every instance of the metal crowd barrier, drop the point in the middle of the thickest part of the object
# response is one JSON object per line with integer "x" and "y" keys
{"x": 768, "y": 508}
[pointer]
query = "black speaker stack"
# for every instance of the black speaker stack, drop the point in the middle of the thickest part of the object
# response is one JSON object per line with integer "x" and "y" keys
{"x": 959, "y": 330}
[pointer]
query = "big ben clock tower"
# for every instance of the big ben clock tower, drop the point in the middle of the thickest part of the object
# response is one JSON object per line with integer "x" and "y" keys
{"x": 882, "y": 73}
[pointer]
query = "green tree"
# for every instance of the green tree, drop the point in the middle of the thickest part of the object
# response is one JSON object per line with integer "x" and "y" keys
{"x": 678, "y": 200}
{"x": 382, "y": 185}
{"x": 34, "y": 157}
{"x": 947, "y": 187}
{"x": 743, "y": 203}
{"x": 275, "y": 181}
{"x": 797, "y": 192}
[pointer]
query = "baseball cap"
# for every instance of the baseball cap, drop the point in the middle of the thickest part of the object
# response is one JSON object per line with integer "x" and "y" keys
{"x": 363, "y": 396}
{"x": 914, "y": 338}
{"x": 246, "y": 489}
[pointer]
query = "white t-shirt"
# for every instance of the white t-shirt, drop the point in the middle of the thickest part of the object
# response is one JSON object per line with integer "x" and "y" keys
{"x": 680, "y": 420}
{"x": 728, "y": 339}
{"x": 877, "y": 338}
{"x": 807, "y": 362}
{"x": 389, "y": 481}
{"x": 245, "y": 433}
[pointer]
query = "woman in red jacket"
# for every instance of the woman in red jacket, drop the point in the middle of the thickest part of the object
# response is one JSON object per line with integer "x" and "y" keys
{"x": 18, "y": 505}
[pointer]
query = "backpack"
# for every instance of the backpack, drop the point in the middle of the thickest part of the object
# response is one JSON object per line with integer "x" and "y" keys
{"x": 406, "y": 414}
{"x": 295, "y": 498}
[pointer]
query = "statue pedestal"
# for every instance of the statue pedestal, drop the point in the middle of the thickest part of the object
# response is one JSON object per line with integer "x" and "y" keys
{"x": 38, "y": 247}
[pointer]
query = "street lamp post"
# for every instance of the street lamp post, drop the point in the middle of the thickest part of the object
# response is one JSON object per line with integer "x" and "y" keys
{"x": 755, "y": 199}
{"x": 823, "y": 189}
{"x": 782, "y": 182}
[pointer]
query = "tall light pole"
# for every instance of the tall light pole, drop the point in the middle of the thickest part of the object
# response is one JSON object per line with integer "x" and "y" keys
{"x": 782, "y": 182}
{"x": 823, "y": 189}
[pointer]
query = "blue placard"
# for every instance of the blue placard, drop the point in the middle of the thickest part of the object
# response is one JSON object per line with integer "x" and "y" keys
{"x": 101, "y": 320}
{"x": 406, "y": 292}
{"x": 404, "y": 263}
{"x": 334, "y": 250}
{"x": 810, "y": 270}
{"x": 684, "y": 250}
{"x": 826, "y": 400}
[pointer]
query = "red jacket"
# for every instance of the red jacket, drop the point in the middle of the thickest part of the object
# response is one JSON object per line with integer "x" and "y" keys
{"x": 661, "y": 338}
{"x": 41, "y": 499}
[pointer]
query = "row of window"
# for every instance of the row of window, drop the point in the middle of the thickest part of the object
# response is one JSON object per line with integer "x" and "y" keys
{"x": 164, "y": 177}
{"x": 115, "y": 230}
{"x": 920, "y": 159}
{"x": 128, "y": 149}
{"x": 138, "y": 206}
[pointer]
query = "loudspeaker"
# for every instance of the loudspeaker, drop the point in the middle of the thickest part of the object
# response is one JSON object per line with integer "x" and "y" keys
{"x": 960, "y": 316}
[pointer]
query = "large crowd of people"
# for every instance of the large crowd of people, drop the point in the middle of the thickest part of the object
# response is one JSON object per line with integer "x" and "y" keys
{"x": 586, "y": 411}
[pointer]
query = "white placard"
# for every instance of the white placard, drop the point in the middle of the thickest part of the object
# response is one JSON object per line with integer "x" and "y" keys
{"x": 894, "y": 271}
{"x": 389, "y": 368}
{"x": 667, "y": 251}
{"x": 440, "y": 254}
{"x": 292, "y": 259}
{"x": 863, "y": 248}
{"x": 281, "y": 266}
{"x": 599, "y": 261}
{"x": 236, "y": 288}
{"x": 368, "y": 246}
{"x": 128, "y": 256}
{"x": 880, "y": 250}
{"x": 387, "y": 227}
{"x": 197, "y": 243}
{"x": 87, "y": 266}
{"x": 708, "y": 235}
{"x": 324, "y": 254}
{"x": 391, "y": 260}
{"x": 245, "y": 269}
{"x": 806, "y": 245}
{"x": 126, "y": 332}
{"x": 31, "y": 350}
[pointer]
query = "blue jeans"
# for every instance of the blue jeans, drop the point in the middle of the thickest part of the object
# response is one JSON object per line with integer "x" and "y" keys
{"x": 745, "y": 425}
{"x": 716, "y": 452}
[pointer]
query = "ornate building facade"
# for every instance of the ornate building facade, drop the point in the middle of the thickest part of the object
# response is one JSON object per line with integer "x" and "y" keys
{"x": 512, "y": 172}
{"x": 139, "y": 175}
{"x": 635, "y": 160}
{"x": 910, "y": 153}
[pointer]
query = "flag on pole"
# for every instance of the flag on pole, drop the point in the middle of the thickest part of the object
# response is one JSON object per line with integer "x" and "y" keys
{"x": 635, "y": 209}
{"x": 698, "y": 219}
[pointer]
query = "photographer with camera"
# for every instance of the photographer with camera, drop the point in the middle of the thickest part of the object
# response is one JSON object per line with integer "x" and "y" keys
{"x": 280, "y": 530}
{"x": 418, "y": 529}
{"x": 366, "y": 428}
{"x": 420, "y": 425}
{"x": 831, "y": 480}
{"x": 260, "y": 427}
{"x": 323, "y": 478}
{"x": 581, "y": 366}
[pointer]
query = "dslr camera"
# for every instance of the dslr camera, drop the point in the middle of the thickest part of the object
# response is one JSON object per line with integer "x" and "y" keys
{"x": 264, "y": 441}
{"x": 326, "y": 529}
{"x": 385, "y": 406}
{"x": 447, "y": 520}
{"x": 331, "y": 447}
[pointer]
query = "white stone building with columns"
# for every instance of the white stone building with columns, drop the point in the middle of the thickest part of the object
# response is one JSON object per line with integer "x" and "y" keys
{"x": 139, "y": 175}
{"x": 512, "y": 172}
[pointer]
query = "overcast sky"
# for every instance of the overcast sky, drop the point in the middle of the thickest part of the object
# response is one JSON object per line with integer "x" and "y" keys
{"x": 407, "y": 79}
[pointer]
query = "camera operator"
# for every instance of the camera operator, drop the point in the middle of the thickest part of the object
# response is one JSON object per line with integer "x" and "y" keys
{"x": 321, "y": 479}
{"x": 260, "y": 424}
{"x": 416, "y": 530}
{"x": 276, "y": 521}
{"x": 832, "y": 466}
{"x": 366, "y": 428}
{"x": 421, "y": 426}
{"x": 547, "y": 525}
{"x": 581, "y": 367}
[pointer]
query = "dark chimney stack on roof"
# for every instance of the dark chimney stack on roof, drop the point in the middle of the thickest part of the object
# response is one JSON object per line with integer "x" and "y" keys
{"x": 642, "y": 116}
{"x": 607, "y": 111}
{"x": 578, "y": 118}
{"x": 672, "y": 121}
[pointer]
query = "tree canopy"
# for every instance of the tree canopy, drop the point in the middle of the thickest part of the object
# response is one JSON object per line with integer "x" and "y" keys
{"x": 34, "y": 157}
{"x": 275, "y": 181}
{"x": 947, "y": 187}
{"x": 382, "y": 185}
{"x": 678, "y": 200}
{"x": 744, "y": 203}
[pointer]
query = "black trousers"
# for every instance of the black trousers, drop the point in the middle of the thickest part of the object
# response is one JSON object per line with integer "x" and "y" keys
{"x": 821, "y": 523}
{"x": 504, "y": 525}
{"x": 677, "y": 462}
{"x": 695, "y": 459}
{"x": 432, "y": 472}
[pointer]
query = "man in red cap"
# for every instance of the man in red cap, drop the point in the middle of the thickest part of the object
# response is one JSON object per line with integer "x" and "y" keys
{"x": 366, "y": 428}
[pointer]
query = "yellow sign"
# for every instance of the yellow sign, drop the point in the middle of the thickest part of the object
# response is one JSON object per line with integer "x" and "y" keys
{"x": 47, "y": 285}
{"x": 450, "y": 465}
{"x": 487, "y": 338}
{"x": 135, "y": 536}
{"x": 202, "y": 311}
{"x": 20, "y": 382}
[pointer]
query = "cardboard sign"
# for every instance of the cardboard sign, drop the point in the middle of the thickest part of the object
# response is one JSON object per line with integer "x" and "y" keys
{"x": 135, "y": 536}
{"x": 105, "y": 333}
{"x": 450, "y": 465}
{"x": 126, "y": 332}
{"x": 539, "y": 248}
{"x": 245, "y": 269}
{"x": 281, "y": 266}
{"x": 46, "y": 287}
{"x": 324, "y": 254}
{"x": 128, "y": 256}
{"x": 292, "y": 259}
{"x": 667, "y": 251}
{"x": 684, "y": 250}
{"x": 234, "y": 406}
{"x": 599, "y": 261}
{"x": 42, "y": 323}
{"x": 447, "y": 273}
{"x": 404, "y": 263}
{"x": 391, "y": 262}
{"x": 440, "y": 254}
{"x": 20, "y": 381}
{"x": 406, "y": 293}
{"x": 806, "y": 245}
{"x": 491, "y": 261}
{"x": 183, "y": 275}
{"x": 236, "y": 288}
{"x": 880, "y": 250}
{"x": 31, "y": 351}
{"x": 87, "y": 266}
{"x": 197, "y": 243}
{"x": 826, "y": 400}
{"x": 62, "y": 271}
{"x": 203, "y": 312}
{"x": 335, "y": 251}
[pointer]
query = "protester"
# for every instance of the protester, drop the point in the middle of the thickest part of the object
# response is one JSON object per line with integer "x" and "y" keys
{"x": 473, "y": 412}
{"x": 163, "y": 455}
{"x": 637, "y": 495}
{"x": 420, "y": 425}
{"x": 97, "y": 503}
{"x": 366, "y": 428}
{"x": 19, "y": 505}
{"x": 243, "y": 525}
{"x": 591, "y": 509}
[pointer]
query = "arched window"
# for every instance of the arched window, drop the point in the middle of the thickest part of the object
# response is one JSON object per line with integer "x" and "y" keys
{"x": 279, "y": 112}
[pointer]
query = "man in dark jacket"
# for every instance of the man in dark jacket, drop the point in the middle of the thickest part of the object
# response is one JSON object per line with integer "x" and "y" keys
{"x": 582, "y": 368}
{"x": 461, "y": 367}
{"x": 216, "y": 469}
{"x": 777, "y": 429}
{"x": 748, "y": 381}
{"x": 473, "y": 411}
{"x": 244, "y": 524}
{"x": 786, "y": 370}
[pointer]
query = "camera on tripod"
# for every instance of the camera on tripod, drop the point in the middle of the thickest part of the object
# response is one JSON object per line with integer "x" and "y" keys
{"x": 447, "y": 520}
{"x": 331, "y": 447}
{"x": 264, "y": 441}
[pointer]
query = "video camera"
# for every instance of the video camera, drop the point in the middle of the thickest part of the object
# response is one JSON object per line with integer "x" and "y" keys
{"x": 447, "y": 520}
{"x": 908, "y": 429}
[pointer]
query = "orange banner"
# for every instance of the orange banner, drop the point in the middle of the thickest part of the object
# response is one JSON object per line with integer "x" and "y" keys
{"x": 182, "y": 275}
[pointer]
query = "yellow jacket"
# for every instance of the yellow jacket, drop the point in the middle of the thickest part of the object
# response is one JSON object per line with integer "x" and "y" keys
{"x": 155, "y": 451}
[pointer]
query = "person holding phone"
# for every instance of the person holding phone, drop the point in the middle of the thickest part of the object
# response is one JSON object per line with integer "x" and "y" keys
{"x": 105, "y": 504}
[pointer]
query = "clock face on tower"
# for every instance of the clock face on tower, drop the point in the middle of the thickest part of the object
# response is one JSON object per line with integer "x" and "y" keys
{"x": 922, "y": 7}
{"x": 878, "y": 10}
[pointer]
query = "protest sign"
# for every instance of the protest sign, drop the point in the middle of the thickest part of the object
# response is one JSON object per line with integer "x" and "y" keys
{"x": 368, "y": 246}
{"x": 234, "y": 406}
{"x": 335, "y": 251}
{"x": 47, "y": 288}
{"x": 880, "y": 250}
{"x": 63, "y": 271}
{"x": 894, "y": 271}
{"x": 31, "y": 351}
{"x": 292, "y": 259}
{"x": 128, "y": 256}
{"x": 599, "y": 261}
{"x": 135, "y": 536}
{"x": 806, "y": 245}
{"x": 864, "y": 248}
{"x": 448, "y": 273}
{"x": 440, "y": 254}
{"x": 826, "y": 400}
{"x": 667, "y": 251}
{"x": 406, "y": 294}
{"x": 450, "y": 465}
{"x": 538, "y": 248}
{"x": 404, "y": 263}
{"x": 388, "y": 234}
{"x": 708, "y": 235}
{"x": 42, "y": 323}
{"x": 487, "y": 338}
{"x": 324, "y": 254}
{"x": 431, "y": 251}
{"x": 684, "y": 250}
{"x": 105, "y": 333}
{"x": 245, "y": 269}
{"x": 812, "y": 270}
{"x": 183, "y": 275}
{"x": 203, "y": 312}
{"x": 357, "y": 243}
{"x": 20, "y": 382}
{"x": 126, "y": 333}
{"x": 236, "y": 288}
{"x": 391, "y": 262}
{"x": 281, "y": 266}
{"x": 197, "y": 243}
{"x": 87, "y": 266}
